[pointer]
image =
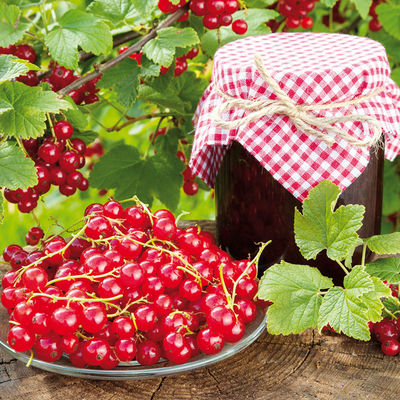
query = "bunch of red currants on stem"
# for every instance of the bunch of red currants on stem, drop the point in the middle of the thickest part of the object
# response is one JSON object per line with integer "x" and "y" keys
{"x": 127, "y": 285}
{"x": 57, "y": 159}
{"x": 295, "y": 12}
{"x": 215, "y": 13}
{"x": 58, "y": 76}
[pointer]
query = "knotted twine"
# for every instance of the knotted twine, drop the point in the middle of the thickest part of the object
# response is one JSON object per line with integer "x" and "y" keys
{"x": 301, "y": 116}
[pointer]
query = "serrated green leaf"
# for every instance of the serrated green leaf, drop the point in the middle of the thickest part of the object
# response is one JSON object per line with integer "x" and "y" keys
{"x": 385, "y": 268}
{"x": 29, "y": 105}
{"x": 348, "y": 262}
{"x": 11, "y": 67}
{"x": 179, "y": 95}
{"x": 87, "y": 136}
{"x": 144, "y": 7}
{"x": 348, "y": 310}
{"x": 116, "y": 11}
{"x": 149, "y": 69}
{"x": 168, "y": 143}
{"x": 320, "y": 228}
{"x": 389, "y": 17}
{"x": 122, "y": 169}
{"x": 363, "y": 7}
{"x": 77, "y": 29}
{"x": 373, "y": 299}
{"x": 294, "y": 291}
{"x": 161, "y": 49}
{"x": 329, "y": 3}
{"x": 384, "y": 244}
{"x": 358, "y": 282}
{"x": 344, "y": 314}
{"x": 76, "y": 116}
{"x": 256, "y": 20}
{"x": 12, "y": 29}
{"x": 16, "y": 170}
{"x": 123, "y": 79}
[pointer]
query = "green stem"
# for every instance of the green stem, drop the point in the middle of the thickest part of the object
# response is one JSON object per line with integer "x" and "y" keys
{"x": 346, "y": 271}
{"x": 364, "y": 253}
{"x": 389, "y": 312}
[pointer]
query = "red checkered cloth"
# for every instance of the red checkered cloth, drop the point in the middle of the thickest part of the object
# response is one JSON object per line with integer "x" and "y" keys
{"x": 312, "y": 68}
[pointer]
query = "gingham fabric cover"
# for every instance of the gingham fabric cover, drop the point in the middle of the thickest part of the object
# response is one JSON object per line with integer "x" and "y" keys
{"x": 312, "y": 68}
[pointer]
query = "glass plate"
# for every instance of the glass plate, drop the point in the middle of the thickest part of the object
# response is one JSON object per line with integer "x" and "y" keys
{"x": 134, "y": 370}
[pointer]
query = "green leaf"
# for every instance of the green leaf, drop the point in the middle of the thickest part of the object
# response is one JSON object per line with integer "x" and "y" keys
{"x": 320, "y": 228}
{"x": 116, "y": 11}
{"x": 294, "y": 291}
{"x": 389, "y": 17}
{"x": 149, "y": 69}
{"x": 77, "y": 29}
{"x": 11, "y": 28}
{"x": 256, "y": 19}
{"x": 384, "y": 244}
{"x": 373, "y": 299}
{"x": 344, "y": 314}
{"x": 168, "y": 143}
{"x": 363, "y": 7}
{"x": 344, "y": 309}
{"x": 76, "y": 116}
{"x": 87, "y": 136}
{"x": 161, "y": 49}
{"x": 16, "y": 170}
{"x": 144, "y": 7}
{"x": 123, "y": 79}
{"x": 385, "y": 268}
{"x": 29, "y": 105}
{"x": 122, "y": 169}
{"x": 329, "y": 3}
{"x": 11, "y": 67}
{"x": 179, "y": 95}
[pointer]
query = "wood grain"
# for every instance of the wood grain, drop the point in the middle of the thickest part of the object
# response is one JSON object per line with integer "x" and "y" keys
{"x": 306, "y": 366}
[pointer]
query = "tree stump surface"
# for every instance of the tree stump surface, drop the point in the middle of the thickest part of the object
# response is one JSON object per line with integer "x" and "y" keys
{"x": 305, "y": 366}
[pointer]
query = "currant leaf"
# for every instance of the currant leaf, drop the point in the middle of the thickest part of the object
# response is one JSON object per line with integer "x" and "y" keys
{"x": 16, "y": 170}
{"x": 294, "y": 292}
{"x": 12, "y": 27}
{"x": 384, "y": 244}
{"x": 12, "y": 67}
{"x": 77, "y": 29}
{"x": 123, "y": 79}
{"x": 320, "y": 228}
{"x": 389, "y": 17}
{"x": 28, "y": 107}
{"x": 385, "y": 268}
{"x": 373, "y": 299}
{"x": 161, "y": 49}
{"x": 347, "y": 309}
{"x": 122, "y": 169}
{"x": 115, "y": 11}
{"x": 363, "y": 7}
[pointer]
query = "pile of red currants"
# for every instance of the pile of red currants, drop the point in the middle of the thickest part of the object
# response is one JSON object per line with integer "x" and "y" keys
{"x": 57, "y": 159}
{"x": 127, "y": 285}
{"x": 215, "y": 13}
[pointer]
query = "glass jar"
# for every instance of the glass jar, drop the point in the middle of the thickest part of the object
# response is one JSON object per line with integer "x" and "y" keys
{"x": 252, "y": 207}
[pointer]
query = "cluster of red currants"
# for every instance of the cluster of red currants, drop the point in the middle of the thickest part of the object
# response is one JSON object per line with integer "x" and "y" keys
{"x": 190, "y": 187}
{"x": 374, "y": 24}
{"x": 295, "y": 12}
{"x": 57, "y": 160}
{"x": 215, "y": 13}
{"x": 387, "y": 331}
{"x": 129, "y": 284}
{"x": 58, "y": 78}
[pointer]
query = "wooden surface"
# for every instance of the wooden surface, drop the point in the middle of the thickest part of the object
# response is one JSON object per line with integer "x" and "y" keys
{"x": 306, "y": 366}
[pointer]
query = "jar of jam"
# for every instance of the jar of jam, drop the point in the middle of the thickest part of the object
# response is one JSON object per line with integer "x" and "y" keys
{"x": 284, "y": 112}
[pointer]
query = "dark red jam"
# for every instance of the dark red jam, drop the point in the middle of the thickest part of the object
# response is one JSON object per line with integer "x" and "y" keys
{"x": 252, "y": 207}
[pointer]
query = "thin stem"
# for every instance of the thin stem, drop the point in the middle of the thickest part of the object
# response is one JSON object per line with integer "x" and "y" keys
{"x": 131, "y": 121}
{"x": 346, "y": 271}
{"x": 389, "y": 312}
{"x": 133, "y": 49}
{"x": 364, "y": 253}
{"x": 28, "y": 364}
{"x": 22, "y": 146}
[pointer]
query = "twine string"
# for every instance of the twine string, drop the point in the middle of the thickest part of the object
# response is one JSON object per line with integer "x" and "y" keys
{"x": 301, "y": 116}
